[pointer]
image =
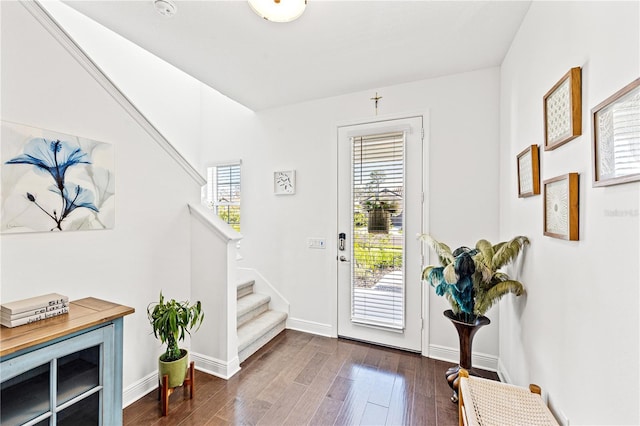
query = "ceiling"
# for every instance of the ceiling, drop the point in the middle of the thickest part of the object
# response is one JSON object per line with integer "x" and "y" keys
{"x": 336, "y": 47}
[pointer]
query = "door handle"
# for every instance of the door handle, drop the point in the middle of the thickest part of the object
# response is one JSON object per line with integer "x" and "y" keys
{"x": 344, "y": 259}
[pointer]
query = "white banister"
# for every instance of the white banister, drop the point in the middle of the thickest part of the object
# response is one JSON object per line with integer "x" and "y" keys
{"x": 214, "y": 223}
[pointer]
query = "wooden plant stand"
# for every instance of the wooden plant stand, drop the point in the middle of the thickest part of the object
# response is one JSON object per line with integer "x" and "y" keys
{"x": 164, "y": 391}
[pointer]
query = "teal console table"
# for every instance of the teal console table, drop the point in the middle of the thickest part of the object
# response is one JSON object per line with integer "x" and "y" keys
{"x": 66, "y": 369}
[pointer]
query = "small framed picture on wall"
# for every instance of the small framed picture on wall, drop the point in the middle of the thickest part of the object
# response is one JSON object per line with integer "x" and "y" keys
{"x": 284, "y": 182}
{"x": 562, "y": 110}
{"x": 561, "y": 200}
{"x": 616, "y": 137}
{"x": 528, "y": 163}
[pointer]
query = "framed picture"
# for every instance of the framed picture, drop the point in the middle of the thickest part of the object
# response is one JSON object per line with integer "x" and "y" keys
{"x": 54, "y": 182}
{"x": 561, "y": 207}
{"x": 284, "y": 182}
{"x": 562, "y": 110}
{"x": 528, "y": 172}
{"x": 616, "y": 137}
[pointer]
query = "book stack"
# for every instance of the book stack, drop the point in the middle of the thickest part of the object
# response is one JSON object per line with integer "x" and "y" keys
{"x": 34, "y": 309}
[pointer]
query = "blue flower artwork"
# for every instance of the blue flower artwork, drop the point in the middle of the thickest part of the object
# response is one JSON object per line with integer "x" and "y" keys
{"x": 55, "y": 182}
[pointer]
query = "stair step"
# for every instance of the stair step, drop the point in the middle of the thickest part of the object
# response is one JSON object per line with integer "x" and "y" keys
{"x": 251, "y": 306}
{"x": 257, "y": 332}
{"x": 245, "y": 288}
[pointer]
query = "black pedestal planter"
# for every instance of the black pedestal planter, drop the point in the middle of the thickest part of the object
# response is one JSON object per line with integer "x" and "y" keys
{"x": 466, "y": 331}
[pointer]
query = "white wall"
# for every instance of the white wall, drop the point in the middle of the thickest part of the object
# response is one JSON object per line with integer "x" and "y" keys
{"x": 170, "y": 99}
{"x": 576, "y": 332}
{"x": 566, "y": 334}
{"x": 148, "y": 250}
{"x": 213, "y": 282}
{"x": 463, "y": 135}
{"x": 207, "y": 128}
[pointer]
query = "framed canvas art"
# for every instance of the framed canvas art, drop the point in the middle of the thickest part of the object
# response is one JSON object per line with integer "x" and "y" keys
{"x": 562, "y": 110}
{"x": 528, "y": 163}
{"x": 284, "y": 182}
{"x": 616, "y": 137}
{"x": 561, "y": 214}
{"x": 55, "y": 182}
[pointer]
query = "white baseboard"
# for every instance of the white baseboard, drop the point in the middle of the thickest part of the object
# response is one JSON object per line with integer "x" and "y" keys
{"x": 310, "y": 327}
{"x": 139, "y": 389}
{"x": 216, "y": 367}
{"x": 204, "y": 363}
{"x": 503, "y": 374}
{"x": 479, "y": 360}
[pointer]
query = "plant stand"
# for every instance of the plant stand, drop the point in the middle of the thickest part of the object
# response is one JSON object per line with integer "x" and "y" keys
{"x": 164, "y": 392}
{"x": 466, "y": 331}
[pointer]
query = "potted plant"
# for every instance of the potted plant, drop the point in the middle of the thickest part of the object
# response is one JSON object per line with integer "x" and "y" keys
{"x": 171, "y": 322}
{"x": 471, "y": 281}
{"x": 379, "y": 203}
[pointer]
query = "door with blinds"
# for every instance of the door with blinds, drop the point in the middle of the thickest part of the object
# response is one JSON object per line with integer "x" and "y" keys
{"x": 380, "y": 204}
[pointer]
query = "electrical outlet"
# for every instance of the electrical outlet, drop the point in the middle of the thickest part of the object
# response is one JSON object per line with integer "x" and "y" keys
{"x": 317, "y": 243}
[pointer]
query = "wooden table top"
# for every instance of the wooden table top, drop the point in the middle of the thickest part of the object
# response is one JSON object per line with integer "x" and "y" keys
{"x": 83, "y": 313}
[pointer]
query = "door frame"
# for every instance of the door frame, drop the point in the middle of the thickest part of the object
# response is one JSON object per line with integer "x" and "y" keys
{"x": 426, "y": 125}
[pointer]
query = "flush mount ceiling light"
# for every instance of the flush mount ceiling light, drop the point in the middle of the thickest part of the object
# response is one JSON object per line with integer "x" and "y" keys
{"x": 165, "y": 7}
{"x": 278, "y": 10}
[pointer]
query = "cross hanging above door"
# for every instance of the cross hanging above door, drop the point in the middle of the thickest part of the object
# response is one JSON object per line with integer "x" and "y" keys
{"x": 376, "y": 98}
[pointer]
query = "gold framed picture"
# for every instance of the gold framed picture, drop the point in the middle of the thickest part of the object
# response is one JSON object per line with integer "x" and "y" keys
{"x": 616, "y": 137}
{"x": 561, "y": 215}
{"x": 528, "y": 163}
{"x": 562, "y": 110}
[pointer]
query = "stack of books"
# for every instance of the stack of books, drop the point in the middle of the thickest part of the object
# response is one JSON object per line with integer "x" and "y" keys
{"x": 33, "y": 309}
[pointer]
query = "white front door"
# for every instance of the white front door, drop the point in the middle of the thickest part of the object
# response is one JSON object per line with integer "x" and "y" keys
{"x": 379, "y": 215}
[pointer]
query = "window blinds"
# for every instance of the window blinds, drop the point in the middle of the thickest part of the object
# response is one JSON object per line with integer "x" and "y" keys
{"x": 223, "y": 192}
{"x": 378, "y": 169}
{"x": 626, "y": 134}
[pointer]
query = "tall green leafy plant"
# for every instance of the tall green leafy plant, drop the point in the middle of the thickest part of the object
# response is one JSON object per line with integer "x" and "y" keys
{"x": 172, "y": 321}
{"x": 470, "y": 278}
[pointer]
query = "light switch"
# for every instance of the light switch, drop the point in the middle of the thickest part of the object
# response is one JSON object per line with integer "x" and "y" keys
{"x": 317, "y": 243}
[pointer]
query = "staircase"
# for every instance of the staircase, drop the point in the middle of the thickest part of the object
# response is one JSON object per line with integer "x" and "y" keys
{"x": 257, "y": 324}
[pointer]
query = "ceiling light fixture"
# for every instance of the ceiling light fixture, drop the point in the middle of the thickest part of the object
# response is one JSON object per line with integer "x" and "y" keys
{"x": 278, "y": 10}
{"x": 165, "y": 7}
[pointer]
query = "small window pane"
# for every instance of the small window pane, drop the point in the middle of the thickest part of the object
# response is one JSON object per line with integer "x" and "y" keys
{"x": 223, "y": 193}
{"x": 85, "y": 412}
{"x": 25, "y": 397}
{"x": 78, "y": 373}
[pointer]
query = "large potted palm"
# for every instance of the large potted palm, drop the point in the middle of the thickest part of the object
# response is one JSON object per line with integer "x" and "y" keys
{"x": 471, "y": 281}
{"x": 172, "y": 321}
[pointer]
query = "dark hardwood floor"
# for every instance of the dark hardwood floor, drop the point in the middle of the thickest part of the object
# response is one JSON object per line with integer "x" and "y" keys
{"x": 300, "y": 379}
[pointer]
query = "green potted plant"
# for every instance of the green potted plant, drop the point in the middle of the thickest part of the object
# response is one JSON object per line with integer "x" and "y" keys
{"x": 171, "y": 322}
{"x": 471, "y": 281}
